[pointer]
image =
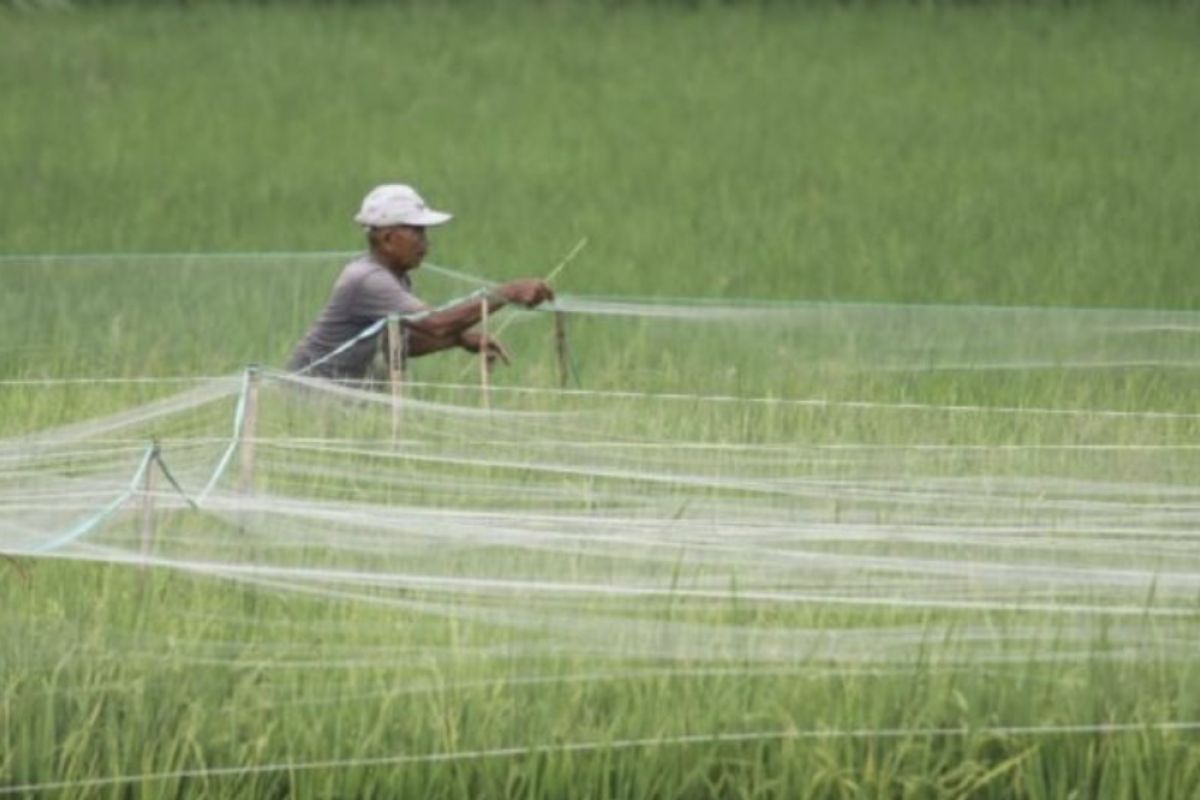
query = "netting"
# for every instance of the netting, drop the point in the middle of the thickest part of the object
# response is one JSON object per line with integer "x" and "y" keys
{"x": 629, "y": 524}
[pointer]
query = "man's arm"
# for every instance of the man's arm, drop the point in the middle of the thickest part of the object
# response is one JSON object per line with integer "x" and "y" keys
{"x": 449, "y": 328}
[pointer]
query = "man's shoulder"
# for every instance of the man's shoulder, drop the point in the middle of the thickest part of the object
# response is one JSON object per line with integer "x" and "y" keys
{"x": 359, "y": 267}
{"x": 366, "y": 288}
{"x": 377, "y": 278}
{"x": 364, "y": 272}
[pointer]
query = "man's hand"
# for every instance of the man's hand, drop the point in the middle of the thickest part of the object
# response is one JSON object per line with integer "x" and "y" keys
{"x": 526, "y": 292}
{"x": 471, "y": 342}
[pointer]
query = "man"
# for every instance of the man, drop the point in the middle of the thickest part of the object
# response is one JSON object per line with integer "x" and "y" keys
{"x": 377, "y": 284}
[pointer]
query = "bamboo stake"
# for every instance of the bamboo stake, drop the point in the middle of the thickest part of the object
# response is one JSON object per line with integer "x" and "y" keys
{"x": 485, "y": 367}
{"x": 148, "y": 518}
{"x": 397, "y": 360}
{"x": 249, "y": 430}
{"x": 560, "y": 347}
{"x": 397, "y": 356}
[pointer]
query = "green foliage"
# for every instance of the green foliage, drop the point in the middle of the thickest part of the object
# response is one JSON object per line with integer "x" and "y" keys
{"x": 998, "y": 155}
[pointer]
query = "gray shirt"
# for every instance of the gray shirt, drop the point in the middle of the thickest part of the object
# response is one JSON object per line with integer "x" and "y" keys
{"x": 365, "y": 292}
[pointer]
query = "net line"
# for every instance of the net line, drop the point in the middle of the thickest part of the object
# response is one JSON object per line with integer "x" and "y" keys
{"x": 729, "y": 527}
{"x": 430, "y": 504}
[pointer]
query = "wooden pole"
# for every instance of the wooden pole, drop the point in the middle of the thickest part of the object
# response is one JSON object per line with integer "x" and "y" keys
{"x": 397, "y": 355}
{"x": 249, "y": 430}
{"x": 397, "y": 361}
{"x": 485, "y": 366}
{"x": 148, "y": 519}
{"x": 560, "y": 348}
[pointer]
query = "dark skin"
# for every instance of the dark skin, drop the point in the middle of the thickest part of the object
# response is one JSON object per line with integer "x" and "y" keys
{"x": 402, "y": 248}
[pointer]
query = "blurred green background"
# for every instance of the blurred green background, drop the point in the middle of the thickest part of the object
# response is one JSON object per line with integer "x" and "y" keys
{"x": 996, "y": 153}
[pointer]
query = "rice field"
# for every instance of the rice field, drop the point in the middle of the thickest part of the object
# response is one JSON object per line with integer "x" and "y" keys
{"x": 873, "y": 475}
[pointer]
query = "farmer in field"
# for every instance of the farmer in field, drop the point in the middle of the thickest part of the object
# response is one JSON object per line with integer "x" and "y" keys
{"x": 377, "y": 284}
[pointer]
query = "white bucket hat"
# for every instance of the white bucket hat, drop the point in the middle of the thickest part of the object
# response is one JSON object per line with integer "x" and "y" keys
{"x": 397, "y": 204}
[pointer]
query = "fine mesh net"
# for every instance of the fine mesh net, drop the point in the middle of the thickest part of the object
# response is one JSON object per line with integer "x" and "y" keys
{"x": 627, "y": 524}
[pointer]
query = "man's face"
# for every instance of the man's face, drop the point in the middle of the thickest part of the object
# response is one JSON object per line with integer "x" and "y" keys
{"x": 404, "y": 246}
